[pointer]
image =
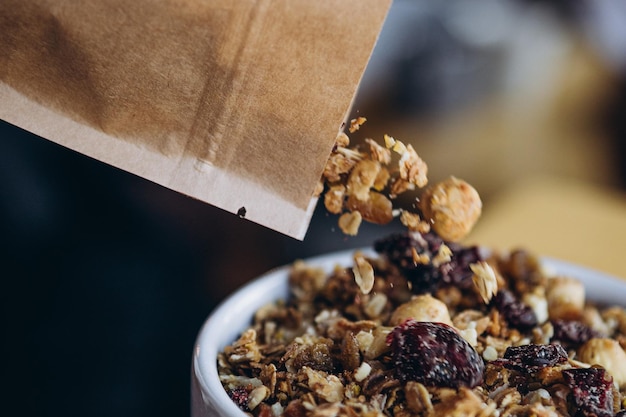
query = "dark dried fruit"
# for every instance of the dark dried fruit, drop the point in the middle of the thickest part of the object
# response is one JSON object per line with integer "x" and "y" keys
{"x": 524, "y": 270}
{"x": 532, "y": 358}
{"x": 517, "y": 314}
{"x": 592, "y": 391}
{"x": 400, "y": 248}
{"x": 572, "y": 333}
{"x": 240, "y": 397}
{"x": 435, "y": 355}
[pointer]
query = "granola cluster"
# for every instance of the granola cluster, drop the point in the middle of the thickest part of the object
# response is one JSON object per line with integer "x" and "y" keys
{"x": 362, "y": 182}
{"x": 428, "y": 327}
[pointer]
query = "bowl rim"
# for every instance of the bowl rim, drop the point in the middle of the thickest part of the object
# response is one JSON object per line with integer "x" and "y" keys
{"x": 598, "y": 285}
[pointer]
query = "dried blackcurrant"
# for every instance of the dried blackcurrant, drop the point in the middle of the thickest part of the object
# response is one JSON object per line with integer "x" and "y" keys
{"x": 517, "y": 314}
{"x": 434, "y": 354}
{"x": 400, "y": 250}
{"x": 532, "y": 358}
{"x": 572, "y": 333}
{"x": 591, "y": 390}
{"x": 240, "y": 397}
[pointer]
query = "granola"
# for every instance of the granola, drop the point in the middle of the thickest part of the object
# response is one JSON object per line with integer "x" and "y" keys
{"x": 424, "y": 326}
{"x": 459, "y": 333}
{"x": 368, "y": 181}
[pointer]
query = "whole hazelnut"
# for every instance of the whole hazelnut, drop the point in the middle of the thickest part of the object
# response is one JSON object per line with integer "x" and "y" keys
{"x": 452, "y": 206}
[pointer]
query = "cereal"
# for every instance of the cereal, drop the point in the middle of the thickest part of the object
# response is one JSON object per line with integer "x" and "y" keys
{"x": 334, "y": 198}
{"x": 369, "y": 180}
{"x": 376, "y": 208}
{"x": 362, "y": 178}
{"x": 414, "y": 222}
{"x": 412, "y": 168}
{"x": 363, "y": 273}
{"x": 355, "y": 124}
{"x": 362, "y": 372}
{"x": 379, "y": 153}
{"x": 349, "y": 222}
{"x": 425, "y": 326}
{"x": 485, "y": 280}
{"x": 340, "y": 347}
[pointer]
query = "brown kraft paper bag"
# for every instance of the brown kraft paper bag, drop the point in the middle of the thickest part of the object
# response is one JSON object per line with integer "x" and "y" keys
{"x": 233, "y": 102}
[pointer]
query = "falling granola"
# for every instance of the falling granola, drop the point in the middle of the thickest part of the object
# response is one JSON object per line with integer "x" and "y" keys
{"x": 367, "y": 179}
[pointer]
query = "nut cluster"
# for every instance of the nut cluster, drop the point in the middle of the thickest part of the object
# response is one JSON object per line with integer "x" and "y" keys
{"x": 362, "y": 184}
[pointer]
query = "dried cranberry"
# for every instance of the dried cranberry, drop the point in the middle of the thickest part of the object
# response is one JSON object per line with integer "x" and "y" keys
{"x": 240, "y": 397}
{"x": 517, "y": 314}
{"x": 435, "y": 355}
{"x": 399, "y": 250}
{"x": 532, "y": 358}
{"x": 591, "y": 390}
{"x": 572, "y": 332}
{"x": 459, "y": 272}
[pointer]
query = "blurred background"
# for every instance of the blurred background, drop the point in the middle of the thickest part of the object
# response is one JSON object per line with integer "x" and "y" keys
{"x": 107, "y": 277}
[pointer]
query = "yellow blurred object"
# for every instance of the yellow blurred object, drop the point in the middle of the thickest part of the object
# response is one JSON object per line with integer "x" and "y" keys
{"x": 562, "y": 218}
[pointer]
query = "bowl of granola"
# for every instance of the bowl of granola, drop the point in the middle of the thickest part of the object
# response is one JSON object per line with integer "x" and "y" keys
{"x": 416, "y": 326}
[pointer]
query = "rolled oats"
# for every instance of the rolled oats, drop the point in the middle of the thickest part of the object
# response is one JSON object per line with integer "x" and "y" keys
{"x": 379, "y": 153}
{"x": 484, "y": 279}
{"x": 334, "y": 198}
{"x": 363, "y": 273}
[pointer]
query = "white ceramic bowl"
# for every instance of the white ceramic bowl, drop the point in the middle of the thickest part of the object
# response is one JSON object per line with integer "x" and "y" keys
{"x": 230, "y": 318}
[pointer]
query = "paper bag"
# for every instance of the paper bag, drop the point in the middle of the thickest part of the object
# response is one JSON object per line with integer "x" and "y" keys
{"x": 233, "y": 102}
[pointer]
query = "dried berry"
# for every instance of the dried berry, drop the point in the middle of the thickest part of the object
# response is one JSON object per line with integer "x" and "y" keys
{"x": 524, "y": 269}
{"x": 532, "y": 358}
{"x": 572, "y": 333}
{"x": 434, "y": 354}
{"x": 517, "y": 314}
{"x": 400, "y": 250}
{"x": 239, "y": 396}
{"x": 591, "y": 390}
